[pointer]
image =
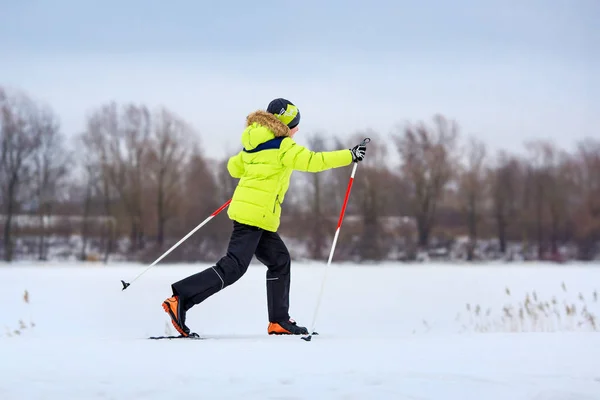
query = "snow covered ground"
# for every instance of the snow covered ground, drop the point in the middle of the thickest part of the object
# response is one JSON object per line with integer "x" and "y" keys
{"x": 386, "y": 332}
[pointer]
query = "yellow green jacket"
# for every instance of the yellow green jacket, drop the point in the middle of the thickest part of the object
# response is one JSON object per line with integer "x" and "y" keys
{"x": 264, "y": 167}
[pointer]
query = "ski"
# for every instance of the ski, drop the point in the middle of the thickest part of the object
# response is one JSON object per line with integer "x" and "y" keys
{"x": 192, "y": 336}
{"x": 195, "y": 336}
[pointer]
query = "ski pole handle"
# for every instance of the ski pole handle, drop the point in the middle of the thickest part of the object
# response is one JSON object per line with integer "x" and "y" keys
{"x": 363, "y": 143}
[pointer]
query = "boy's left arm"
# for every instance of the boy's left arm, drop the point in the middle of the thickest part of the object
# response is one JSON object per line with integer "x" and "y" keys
{"x": 235, "y": 166}
{"x": 300, "y": 158}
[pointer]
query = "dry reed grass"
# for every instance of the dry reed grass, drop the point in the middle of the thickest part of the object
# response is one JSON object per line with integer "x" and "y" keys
{"x": 534, "y": 314}
{"x": 22, "y": 325}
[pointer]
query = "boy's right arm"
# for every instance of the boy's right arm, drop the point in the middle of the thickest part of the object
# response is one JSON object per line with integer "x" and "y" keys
{"x": 300, "y": 158}
{"x": 235, "y": 166}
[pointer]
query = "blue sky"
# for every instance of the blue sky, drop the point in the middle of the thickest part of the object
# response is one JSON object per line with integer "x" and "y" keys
{"x": 507, "y": 71}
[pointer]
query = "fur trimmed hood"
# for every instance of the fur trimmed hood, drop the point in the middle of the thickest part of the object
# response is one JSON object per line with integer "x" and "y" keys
{"x": 269, "y": 121}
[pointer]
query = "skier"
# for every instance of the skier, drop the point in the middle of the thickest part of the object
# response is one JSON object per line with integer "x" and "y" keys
{"x": 264, "y": 167}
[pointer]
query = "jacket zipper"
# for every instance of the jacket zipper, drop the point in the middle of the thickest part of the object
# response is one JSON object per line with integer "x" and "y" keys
{"x": 275, "y": 204}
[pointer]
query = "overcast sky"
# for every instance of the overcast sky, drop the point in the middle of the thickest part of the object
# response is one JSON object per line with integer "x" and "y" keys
{"x": 507, "y": 71}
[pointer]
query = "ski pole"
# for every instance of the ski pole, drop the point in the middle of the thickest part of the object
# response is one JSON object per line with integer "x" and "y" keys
{"x": 211, "y": 216}
{"x": 335, "y": 238}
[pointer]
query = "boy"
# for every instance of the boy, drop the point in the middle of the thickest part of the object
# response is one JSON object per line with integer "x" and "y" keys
{"x": 264, "y": 167}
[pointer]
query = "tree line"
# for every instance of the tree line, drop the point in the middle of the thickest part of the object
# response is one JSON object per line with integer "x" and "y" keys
{"x": 136, "y": 180}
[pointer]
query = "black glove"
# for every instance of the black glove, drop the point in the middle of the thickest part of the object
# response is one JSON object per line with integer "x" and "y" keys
{"x": 358, "y": 152}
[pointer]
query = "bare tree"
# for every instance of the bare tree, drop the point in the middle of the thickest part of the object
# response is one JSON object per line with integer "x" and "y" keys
{"x": 130, "y": 166}
{"x": 170, "y": 141}
{"x": 548, "y": 183}
{"x": 428, "y": 163}
{"x": 51, "y": 165}
{"x": 559, "y": 192}
{"x": 199, "y": 201}
{"x": 587, "y": 206}
{"x": 371, "y": 203}
{"x": 123, "y": 135}
{"x": 505, "y": 183}
{"x": 472, "y": 189}
{"x": 91, "y": 187}
{"x": 98, "y": 163}
{"x": 19, "y": 142}
{"x": 317, "y": 238}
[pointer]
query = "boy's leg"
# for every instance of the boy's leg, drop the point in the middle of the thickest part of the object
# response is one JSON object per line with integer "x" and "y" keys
{"x": 198, "y": 287}
{"x": 272, "y": 252}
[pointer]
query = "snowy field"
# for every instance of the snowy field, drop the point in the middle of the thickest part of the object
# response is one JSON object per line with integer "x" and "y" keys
{"x": 386, "y": 332}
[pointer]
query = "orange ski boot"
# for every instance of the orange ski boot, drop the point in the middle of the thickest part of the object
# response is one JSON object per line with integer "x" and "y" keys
{"x": 288, "y": 327}
{"x": 172, "y": 306}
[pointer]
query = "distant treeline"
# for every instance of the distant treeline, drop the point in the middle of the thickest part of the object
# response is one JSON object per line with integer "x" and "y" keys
{"x": 136, "y": 180}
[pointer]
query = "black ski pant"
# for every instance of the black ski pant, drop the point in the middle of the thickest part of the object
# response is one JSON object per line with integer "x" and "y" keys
{"x": 245, "y": 242}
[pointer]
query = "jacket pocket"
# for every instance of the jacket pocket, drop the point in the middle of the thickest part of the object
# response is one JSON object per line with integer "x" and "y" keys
{"x": 275, "y": 203}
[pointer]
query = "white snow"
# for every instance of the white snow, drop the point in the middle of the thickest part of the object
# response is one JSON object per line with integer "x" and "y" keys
{"x": 387, "y": 331}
